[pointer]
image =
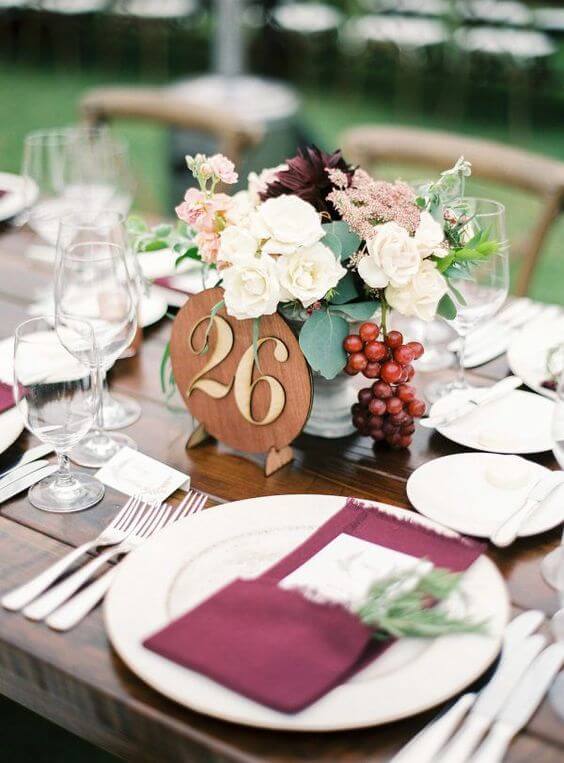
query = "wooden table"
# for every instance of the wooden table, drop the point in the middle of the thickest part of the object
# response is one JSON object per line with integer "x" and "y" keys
{"x": 77, "y": 681}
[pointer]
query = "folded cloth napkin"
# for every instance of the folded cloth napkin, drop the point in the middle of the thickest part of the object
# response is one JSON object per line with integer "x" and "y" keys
{"x": 282, "y": 649}
{"x": 6, "y": 397}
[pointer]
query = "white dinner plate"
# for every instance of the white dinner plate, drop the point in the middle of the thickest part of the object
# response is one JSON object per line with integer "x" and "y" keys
{"x": 152, "y": 308}
{"x": 187, "y": 562}
{"x": 518, "y": 423}
{"x": 528, "y": 350}
{"x": 161, "y": 263}
{"x": 469, "y": 503}
{"x": 11, "y": 427}
{"x": 46, "y": 355}
{"x": 15, "y": 200}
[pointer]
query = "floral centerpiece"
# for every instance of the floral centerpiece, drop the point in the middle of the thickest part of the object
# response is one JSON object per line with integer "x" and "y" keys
{"x": 326, "y": 245}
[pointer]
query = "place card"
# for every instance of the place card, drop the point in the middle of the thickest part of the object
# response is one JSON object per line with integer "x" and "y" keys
{"x": 344, "y": 570}
{"x": 135, "y": 473}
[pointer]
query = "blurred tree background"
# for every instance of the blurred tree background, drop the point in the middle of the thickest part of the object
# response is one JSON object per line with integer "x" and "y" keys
{"x": 487, "y": 68}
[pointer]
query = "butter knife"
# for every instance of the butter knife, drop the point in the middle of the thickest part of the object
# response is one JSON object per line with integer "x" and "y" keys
{"x": 424, "y": 747}
{"x": 497, "y": 392}
{"x": 23, "y": 483}
{"x": 522, "y": 704}
{"x": 21, "y": 471}
{"x": 508, "y": 531}
{"x": 491, "y": 700}
{"x": 38, "y": 451}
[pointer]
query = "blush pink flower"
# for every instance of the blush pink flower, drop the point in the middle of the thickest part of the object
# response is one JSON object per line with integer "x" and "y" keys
{"x": 206, "y": 215}
{"x": 223, "y": 168}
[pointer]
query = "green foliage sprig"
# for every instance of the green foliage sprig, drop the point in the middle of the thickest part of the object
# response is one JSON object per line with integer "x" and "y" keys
{"x": 401, "y": 606}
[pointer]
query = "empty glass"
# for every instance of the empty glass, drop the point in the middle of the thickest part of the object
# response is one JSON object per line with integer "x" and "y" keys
{"x": 53, "y": 390}
{"x": 93, "y": 283}
{"x": 478, "y": 297}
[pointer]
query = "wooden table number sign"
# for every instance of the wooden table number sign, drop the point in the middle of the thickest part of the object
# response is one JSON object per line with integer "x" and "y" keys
{"x": 254, "y": 402}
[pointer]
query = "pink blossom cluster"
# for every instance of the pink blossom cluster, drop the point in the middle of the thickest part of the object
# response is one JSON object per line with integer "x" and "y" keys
{"x": 206, "y": 215}
{"x": 368, "y": 202}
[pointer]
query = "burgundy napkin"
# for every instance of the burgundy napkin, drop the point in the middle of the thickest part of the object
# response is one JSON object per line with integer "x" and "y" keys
{"x": 6, "y": 397}
{"x": 281, "y": 649}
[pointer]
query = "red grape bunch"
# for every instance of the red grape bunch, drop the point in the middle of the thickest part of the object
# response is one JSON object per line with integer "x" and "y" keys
{"x": 386, "y": 410}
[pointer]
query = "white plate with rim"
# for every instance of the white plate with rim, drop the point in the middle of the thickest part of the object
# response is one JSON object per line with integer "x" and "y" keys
{"x": 15, "y": 200}
{"x": 186, "y": 563}
{"x": 11, "y": 427}
{"x": 528, "y": 350}
{"x": 519, "y": 423}
{"x": 152, "y": 308}
{"x": 467, "y": 501}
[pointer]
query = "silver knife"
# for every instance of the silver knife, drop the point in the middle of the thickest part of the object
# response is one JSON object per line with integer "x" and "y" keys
{"x": 24, "y": 482}
{"x": 21, "y": 471}
{"x": 491, "y": 700}
{"x": 508, "y": 531}
{"x": 425, "y": 747}
{"x": 497, "y": 392}
{"x": 520, "y": 708}
{"x": 38, "y": 451}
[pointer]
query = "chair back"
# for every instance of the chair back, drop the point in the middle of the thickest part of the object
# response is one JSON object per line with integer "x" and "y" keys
{"x": 369, "y": 146}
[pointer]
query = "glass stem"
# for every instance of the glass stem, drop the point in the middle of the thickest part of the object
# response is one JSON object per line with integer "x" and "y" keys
{"x": 461, "y": 373}
{"x": 64, "y": 476}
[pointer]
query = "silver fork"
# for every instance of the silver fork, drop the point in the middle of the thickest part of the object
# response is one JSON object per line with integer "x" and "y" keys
{"x": 71, "y": 613}
{"x": 155, "y": 519}
{"x": 111, "y": 535}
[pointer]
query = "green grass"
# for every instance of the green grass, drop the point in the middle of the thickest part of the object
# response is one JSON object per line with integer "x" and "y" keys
{"x": 32, "y": 98}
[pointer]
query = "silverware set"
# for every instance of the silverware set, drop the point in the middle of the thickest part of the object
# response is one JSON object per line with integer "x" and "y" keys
{"x": 64, "y": 604}
{"x": 491, "y": 338}
{"x": 29, "y": 469}
{"x": 480, "y": 726}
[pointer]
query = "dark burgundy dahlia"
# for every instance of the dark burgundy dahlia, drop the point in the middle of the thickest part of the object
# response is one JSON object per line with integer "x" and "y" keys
{"x": 307, "y": 178}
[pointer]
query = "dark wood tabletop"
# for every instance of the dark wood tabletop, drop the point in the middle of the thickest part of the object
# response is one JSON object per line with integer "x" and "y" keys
{"x": 76, "y": 680}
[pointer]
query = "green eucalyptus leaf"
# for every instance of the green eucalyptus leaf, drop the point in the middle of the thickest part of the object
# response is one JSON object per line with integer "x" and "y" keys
{"x": 334, "y": 244}
{"x": 459, "y": 296}
{"x": 358, "y": 311}
{"x": 163, "y": 230}
{"x": 447, "y": 308}
{"x": 349, "y": 241}
{"x": 136, "y": 225}
{"x": 164, "y": 364}
{"x": 154, "y": 245}
{"x": 345, "y": 291}
{"x": 321, "y": 341}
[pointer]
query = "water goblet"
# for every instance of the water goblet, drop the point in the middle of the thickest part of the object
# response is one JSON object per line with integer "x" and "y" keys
{"x": 93, "y": 283}
{"x": 53, "y": 391}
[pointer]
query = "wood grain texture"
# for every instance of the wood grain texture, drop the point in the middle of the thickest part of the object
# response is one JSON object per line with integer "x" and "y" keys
{"x": 77, "y": 681}
{"x": 251, "y": 406}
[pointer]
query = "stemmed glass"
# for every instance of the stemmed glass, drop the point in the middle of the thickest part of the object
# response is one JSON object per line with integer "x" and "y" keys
{"x": 93, "y": 283}
{"x": 53, "y": 391}
{"x": 479, "y": 296}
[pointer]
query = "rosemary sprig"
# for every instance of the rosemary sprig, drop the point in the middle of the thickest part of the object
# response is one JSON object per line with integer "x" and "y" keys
{"x": 402, "y": 605}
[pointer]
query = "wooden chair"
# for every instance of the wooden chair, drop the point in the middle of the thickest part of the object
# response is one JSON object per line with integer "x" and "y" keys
{"x": 370, "y": 145}
{"x": 159, "y": 105}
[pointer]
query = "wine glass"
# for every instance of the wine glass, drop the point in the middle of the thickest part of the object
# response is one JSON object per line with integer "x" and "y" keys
{"x": 53, "y": 391}
{"x": 93, "y": 283}
{"x": 73, "y": 168}
{"x": 478, "y": 297}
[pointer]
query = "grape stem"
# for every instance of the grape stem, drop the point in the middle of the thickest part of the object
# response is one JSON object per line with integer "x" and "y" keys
{"x": 384, "y": 310}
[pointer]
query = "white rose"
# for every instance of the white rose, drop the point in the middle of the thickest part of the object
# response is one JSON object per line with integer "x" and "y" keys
{"x": 309, "y": 273}
{"x": 240, "y": 209}
{"x": 393, "y": 257}
{"x": 290, "y": 222}
{"x": 421, "y": 296}
{"x": 251, "y": 287}
{"x": 236, "y": 243}
{"x": 429, "y": 236}
{"x": 258, "y": 184}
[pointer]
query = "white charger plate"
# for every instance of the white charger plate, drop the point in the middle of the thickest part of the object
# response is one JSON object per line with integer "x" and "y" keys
{"x": 518, "y": 423}
{"x": 15, "y": 200}
{"x": 467, "y": 501}
{"x": 528, "y": 350}
{"x": 186, "y": 563}
{"x": 11, "y": 427}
